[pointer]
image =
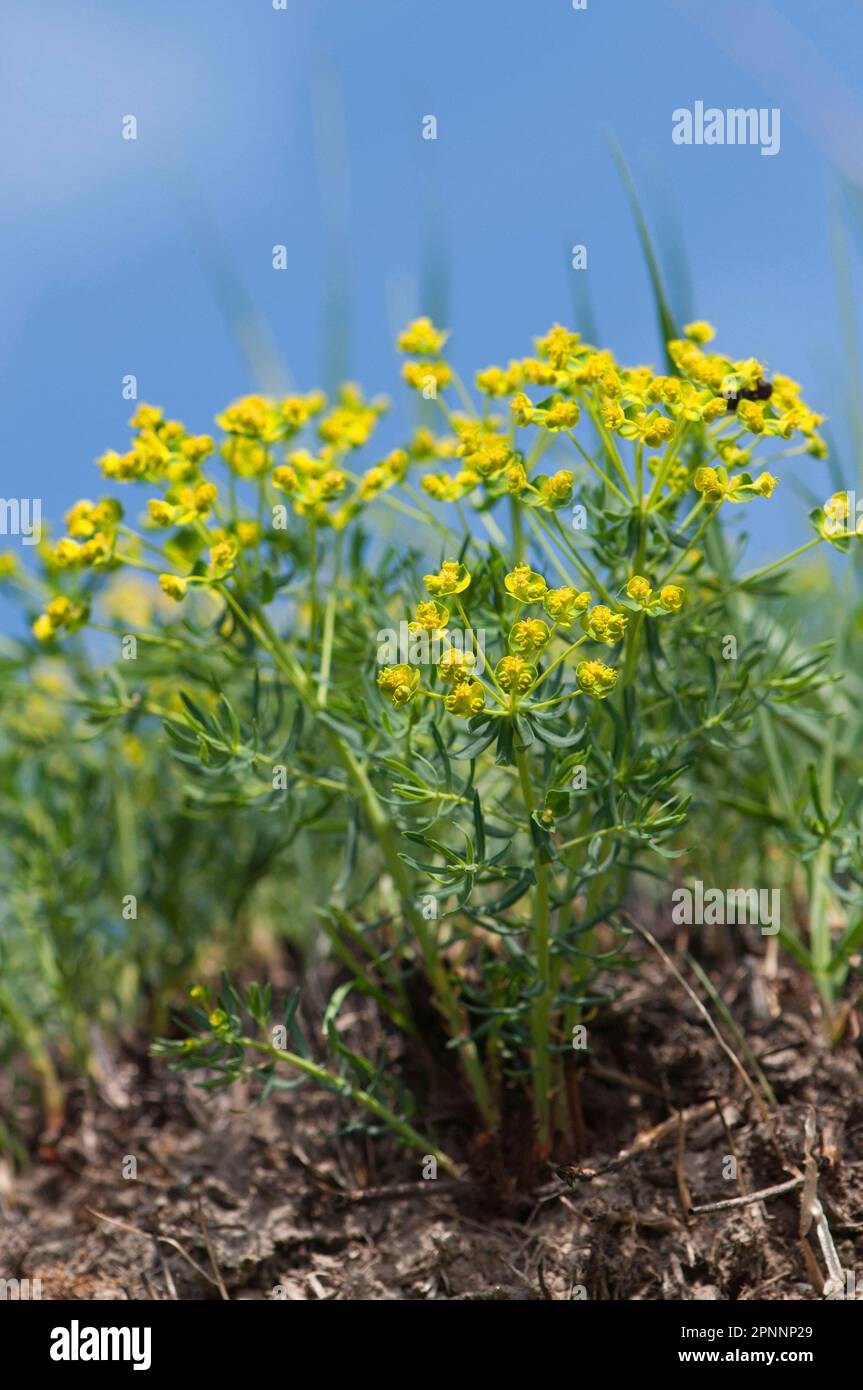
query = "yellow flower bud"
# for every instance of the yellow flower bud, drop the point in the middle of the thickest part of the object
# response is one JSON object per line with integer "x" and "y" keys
{"x": 515, "y": 674}
{"x": 603, "y": 625}
{"x": 173, "y": 586}
{"x": 452, "y": 578}
{"x": 525, "y": 584}
{"x": 638, "y": 589}
{"x": 466, "y": 699}
{"x": 595, "y": 678}
{"x": 671, "y": 598}
{"x": 398, "y": 684}
{"x": 529, "y": 635}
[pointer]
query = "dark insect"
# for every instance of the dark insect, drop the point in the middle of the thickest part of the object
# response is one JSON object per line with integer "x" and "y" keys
{"x": 761, "y": 391}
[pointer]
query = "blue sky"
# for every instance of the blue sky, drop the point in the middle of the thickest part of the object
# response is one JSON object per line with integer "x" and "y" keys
{"x": 303, "y": 127}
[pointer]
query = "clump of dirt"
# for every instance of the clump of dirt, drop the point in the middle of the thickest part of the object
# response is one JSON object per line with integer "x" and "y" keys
{"x": 153, "y": 1192}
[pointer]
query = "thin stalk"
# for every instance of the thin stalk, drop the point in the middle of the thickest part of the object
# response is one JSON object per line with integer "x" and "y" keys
{"x": 540, "y": 1009}
{"x": 330, "y": 623}
{"x": 383, "y": 831}
{"x": 329, "y": 1079}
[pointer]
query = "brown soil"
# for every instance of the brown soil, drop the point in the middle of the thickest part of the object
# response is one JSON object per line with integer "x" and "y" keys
{"x": 252, "y": 1203}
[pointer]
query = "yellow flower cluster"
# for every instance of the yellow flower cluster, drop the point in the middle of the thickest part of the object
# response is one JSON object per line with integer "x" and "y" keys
{"x": 635, "y": 403}
{"x": 669, "y": 599}
{"x": 161, "y": 449}
{"x": 60, "y": 614}
{"x": 431, "y": 373}
{"x": 92, "y": 535}
{"x": 516, "y": 673}
{"x": 314, "y": 480}
{"x": 267, "y": 422}
{"x": 716, "y": 485}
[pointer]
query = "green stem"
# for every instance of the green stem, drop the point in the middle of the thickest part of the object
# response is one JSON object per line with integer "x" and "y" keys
{"x": 329, "y": 1079}
{"x": 541, "y": 1007}
{"x": 330, "y": 623}
{"x": 383, "y": 831}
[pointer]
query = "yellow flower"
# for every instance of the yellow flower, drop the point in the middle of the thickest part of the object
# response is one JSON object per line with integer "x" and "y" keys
{"x": 613, "y": 416}
{"x": 332, "y": 483}
{"x": 751, "y": 416}
{"x": 714, "y": 408}
{"x": 173, "y": 586}
{"x": 396, "y": 464}
{"x": 79, "y": 520}
{"x": 708, "y": 482}
{"x": 765, "y": 484}
{"x": 639, "y": 589}
{"x": 442, "y": 487}
{"x": 95, "y": 550}
{"x": 699, "y": 332}
{"x": 423, "y": 375}
{"x": 595, "y": 678}
{"x": 836, "y": 508}
{"x": 561, "y": 415}
{"x": 8, "y": 564}
{"x": 248, "y": 533}
{"x": 466, "y": 699}
{"x": 452, "y": 578}
{"x": 197, "y": 447}
{"x": 285, "y": 479}
{"x": 146, "y": 417}
{"x": 59, "y": 611}
{"x": 349, "y": 424}
{"x": 456, "y": 665}
{"x": 203, "y": 497}
{"x": 562, "y": 604}
{"x": 66, "y": 552}
{"x": 161, "y": 513}
{"x": 671, "y": 598}
{"x": 665, "y": 388}
{"x": 603, "y": 625}
{"x": 558, "y": 345}
{"x": 522, "y": 408}
{"x": 296, "y": 411}
{"x": 373, "y": 481}
{"x": 484, "y": 452}
{"x": 430, "y": 617}
{"x": 525, "y": 584}
{"x": 223, "y": 556}
{"x": 536, "y": 372}
{"x": 733, "y": 456}
{"x": 515, "y": 674}
{"x": 557, "y": 489}
{"x": 515, "y": 479}
{"x": 529, "y": 635}
{"x": 398, "y": 684}
{"x": 252, "y": 416}
{"x": 247, "y": 457}
{"x": 124, "y": 467}
{"x": 495, "y": 381}
{"x": 421, "y": 338}
{"x": 649, "y": 426}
